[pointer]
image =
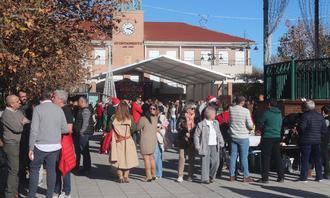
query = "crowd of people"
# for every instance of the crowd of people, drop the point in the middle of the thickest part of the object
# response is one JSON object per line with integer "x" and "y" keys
{"x": 54, "y": 133}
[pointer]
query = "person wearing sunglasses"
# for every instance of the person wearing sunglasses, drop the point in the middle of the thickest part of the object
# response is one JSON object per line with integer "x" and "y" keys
{"x": 186, "y": 128}
{"x": 148, "y": 128}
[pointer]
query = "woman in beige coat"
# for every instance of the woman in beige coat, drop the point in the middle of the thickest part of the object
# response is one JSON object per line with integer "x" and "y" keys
{"x": 148, "y": 127}
{"x": 123, "y": 150}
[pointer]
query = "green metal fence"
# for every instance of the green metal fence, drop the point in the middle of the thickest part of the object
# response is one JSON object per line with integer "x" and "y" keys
{"x": 298, "y": 79}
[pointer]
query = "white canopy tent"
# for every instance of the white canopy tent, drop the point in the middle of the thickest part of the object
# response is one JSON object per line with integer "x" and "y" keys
{"x": 199, "y": 81}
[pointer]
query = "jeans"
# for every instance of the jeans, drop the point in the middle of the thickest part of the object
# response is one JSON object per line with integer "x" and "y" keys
{"x": 313, "y": 152}
{"x": 210, "y": 163}
{"x": 158, "y": 155}
{"x": 243, "y": 146}
{"x": 12, "y": 152}
{"x": 270, "y": 147}
{"x": 173, "y": 124}
{"x": 83, "y": 149}
{"x": 66, "y": 183}
{"x": 50, "y": 159}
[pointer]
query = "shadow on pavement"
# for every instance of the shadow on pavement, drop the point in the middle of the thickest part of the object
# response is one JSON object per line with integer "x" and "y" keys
{"x": 291, "y": 191}
{"x": 253, "y": 193}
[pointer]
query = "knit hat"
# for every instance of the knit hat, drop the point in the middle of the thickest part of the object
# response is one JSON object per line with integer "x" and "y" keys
{"x": 115, "y": 101}
{"x": 211, "y": 99}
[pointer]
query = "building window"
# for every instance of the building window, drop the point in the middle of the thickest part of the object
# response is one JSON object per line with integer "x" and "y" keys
{"x": 240, "y": 58}
{"x": 206, "y": 58}
{"x": 189, "y": 56}
{"x": 171, "y": 54}
{"x": 153, "y": 53}
{"x": 99, "y": 56}
{"x": 223, "y": 58}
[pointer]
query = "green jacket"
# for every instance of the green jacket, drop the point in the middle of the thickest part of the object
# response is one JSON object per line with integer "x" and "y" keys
{"x": 271, "y": 121}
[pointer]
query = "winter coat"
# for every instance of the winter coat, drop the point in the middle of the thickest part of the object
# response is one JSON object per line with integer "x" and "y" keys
{"x": 182, "y": 128}
{"x": 68, "y": 157}
{"x": 312, "y": 126}
{"x": 201, "y": 137}
{"x": 271, "y": 122}
{"x": 123, "y": 150}
{"x": 148, "y": 138}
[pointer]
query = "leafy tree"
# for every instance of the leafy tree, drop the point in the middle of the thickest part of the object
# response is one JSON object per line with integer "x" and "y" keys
{"x": 45, "y": 43}
{"x": 296, "y": 43}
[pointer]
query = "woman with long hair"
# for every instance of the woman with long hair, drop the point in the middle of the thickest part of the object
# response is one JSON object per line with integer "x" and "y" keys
{"x": 148, "y": 127}
{"x": 186, "y": 126}
{"x": 123, "y": 150}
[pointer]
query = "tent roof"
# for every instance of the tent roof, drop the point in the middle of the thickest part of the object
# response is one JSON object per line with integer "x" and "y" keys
{"x": 172, "y": 69}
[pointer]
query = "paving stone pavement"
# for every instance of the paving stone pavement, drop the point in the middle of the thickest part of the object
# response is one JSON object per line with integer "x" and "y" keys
{"x": 101, "y": 183}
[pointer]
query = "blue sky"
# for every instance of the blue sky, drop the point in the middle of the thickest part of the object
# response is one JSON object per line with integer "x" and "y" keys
{"x": 160, "y": 10}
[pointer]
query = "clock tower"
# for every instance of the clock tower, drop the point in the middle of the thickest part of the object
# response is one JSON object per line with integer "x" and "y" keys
{"x": 128, "y": 38}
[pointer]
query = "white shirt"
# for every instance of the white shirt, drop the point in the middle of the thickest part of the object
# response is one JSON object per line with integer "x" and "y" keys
{"x": 212, "y": 134}
{"x": 173, "y": 111}
{"x": 48, "y": 147}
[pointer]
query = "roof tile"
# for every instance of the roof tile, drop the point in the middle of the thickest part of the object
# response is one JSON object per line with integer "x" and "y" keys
{"x": 176, "y": 31}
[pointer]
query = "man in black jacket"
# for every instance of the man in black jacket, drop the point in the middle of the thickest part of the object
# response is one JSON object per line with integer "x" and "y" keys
{"x": 312, "y": 127}
{"x": 83, "y": 130}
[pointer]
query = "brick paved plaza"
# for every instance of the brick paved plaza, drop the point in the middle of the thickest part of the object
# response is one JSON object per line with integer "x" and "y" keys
{"x": 101, "y": 182}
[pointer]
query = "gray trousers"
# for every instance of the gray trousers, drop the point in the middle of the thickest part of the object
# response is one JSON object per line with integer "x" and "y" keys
{"x": 12, "y": 152}
{"x": 210, "y": 163}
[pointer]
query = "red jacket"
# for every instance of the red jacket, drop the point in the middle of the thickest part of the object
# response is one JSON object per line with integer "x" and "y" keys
{"x": 136, "y": 112}
{"x": 68, "y": 157}
{"x": 99, "y": 111}
{"x": 223, "y": 117}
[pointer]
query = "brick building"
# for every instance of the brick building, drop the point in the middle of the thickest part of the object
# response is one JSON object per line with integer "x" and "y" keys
{"x": 136, "y": 41}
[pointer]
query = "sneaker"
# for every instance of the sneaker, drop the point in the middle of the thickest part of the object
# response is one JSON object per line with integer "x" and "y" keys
{"x": 63, "y": 195}
{"x": 319, "y": 180}
{"x": 56, "y": 195}
{"x": 180, "y": 179}
{"x": 279, "y": 180}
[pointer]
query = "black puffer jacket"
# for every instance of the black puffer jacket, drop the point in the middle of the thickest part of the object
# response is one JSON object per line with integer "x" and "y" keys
{"x": 84, "y": 124}
{"x": 312, "y": 126}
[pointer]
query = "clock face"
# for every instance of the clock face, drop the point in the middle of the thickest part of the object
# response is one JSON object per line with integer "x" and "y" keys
{"x": 128, "y": 28}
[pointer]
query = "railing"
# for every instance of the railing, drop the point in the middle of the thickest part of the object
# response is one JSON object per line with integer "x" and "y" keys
{"x": 298, "y": 79}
